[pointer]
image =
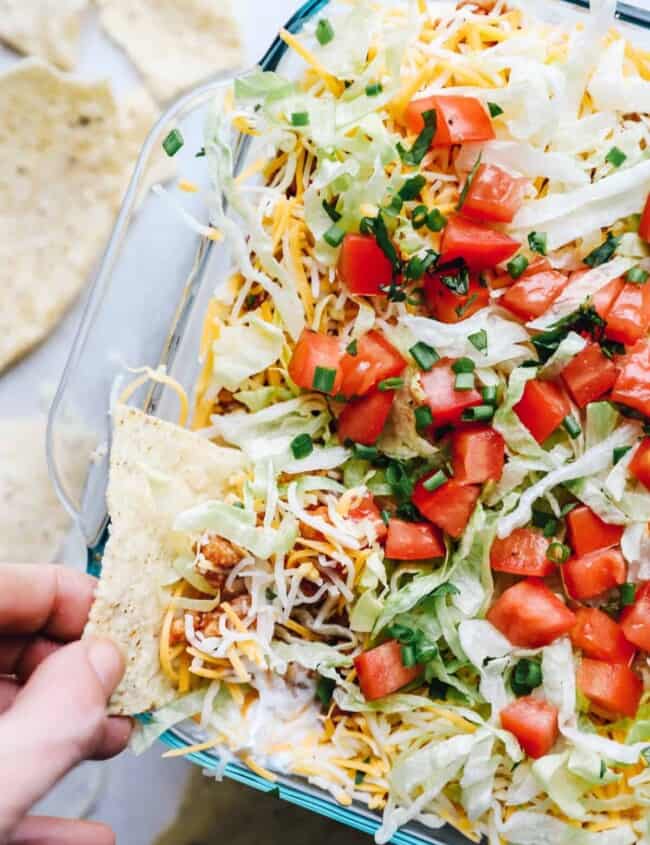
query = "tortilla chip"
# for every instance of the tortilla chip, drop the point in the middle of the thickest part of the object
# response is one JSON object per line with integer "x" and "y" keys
{"x": 68, "y": 152}
{"x": 175, "y": 44}
{"x": 48, "y": 29}
{"x": 157, "y": 469}
{"x": 33, "y": 523}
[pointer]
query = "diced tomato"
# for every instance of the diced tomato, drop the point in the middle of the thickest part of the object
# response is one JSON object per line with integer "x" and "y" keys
{"x": 640, "y": 463}
{"x": 534, "y": 722}
{"x": 446, "y": 403}
{"x": 593, "y": 574}
{"x": 522, "y": 553}
{"x": 366, "y": 509}
{"x": 629, "y": 317}
{"x": 362, "y": 420}
{"x": 459, "y": 120}
{"x": 413, "y": 541}
{"x": 380, "y": 671}
{"x": 635, "y": 619}
{"x": 449, "y": 507}
{"x": 531, "y": 296}
{"x": 505, "y": 280}
{"x": 479, "y": 246}
{"x": 363, "y": 265}
{"x": 530, "y": 615}
{"x": 612, "y": 686}
{"x": 588, "y": 533}
{"x": 494, "y": 195}
{"x": 542, "y": 408}
{"x": 589, "y": 375}
{"x": 376, "y": 360}
{"x": 478, "y": 454}
{"x": 450, "y": 307}
{"x": 604, "y": 298}
{"x": 315, "y": 350}
{"x": 632, "y": 387}
{"x": 644, "y": 225}
{"x": 600, "y": 637}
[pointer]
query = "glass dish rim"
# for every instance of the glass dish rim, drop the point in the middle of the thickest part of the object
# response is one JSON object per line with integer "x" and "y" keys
{"x": 295, "y": 790}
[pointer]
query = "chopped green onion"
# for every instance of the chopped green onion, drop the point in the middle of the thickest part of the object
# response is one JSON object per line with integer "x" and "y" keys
{"x": 565, "y": 509}
{"x": 463, "y": 365}
{"x": 173, "y": 142}
{"x": 425, "y": 356}
{"x": 603, "y": 252}
{"x": 324, "y": 690}
{"x": 423, "y": 417}
{"x": 412, "y": 187}
{"x": 359, "y": 778}
{"x": 479, "y": 340}
{"x": 468, "y": 182}
{"x": 419, "y": 216}
{"x": 200, "y": 154}
{"x": 637, "y": 275}
{"x": 384, "y": 242}
{"x": 352, "y": 348}
{"x": 541, "y": 519}
{"x": 373, "y": 89}
{"x": 418, "y": 265}
{"x": 572, "y": 427}
{"x": 402, "y": 633}
{"x": 324, "y": 31}
{"x": 408, "y": 656}
{"x": 436, "y": 221}
{"x": 495, "y": 109}
{"x": 517, "y": 266}
{"x": 479, "y": 413}
{"x": 436, "y": 480}
{"x": 367, "y": 225}
{"x": 399, "y": 479}
{"x": 615, "y": 157}
{"x": 462, "y": 309}
{"x": 394, "y": 206}
{"x": 299, "y": 118}
{"x": 330, "y": 210}
{"x": 365, "y": 453}
{"x": 301, "y": 446}
{"x": 489, "y": 394}
{"x": 425, "y": 652}
{"x": 334, "y": 235}
{"x": 390, "y": 384}
{"x": 324, "y": 378}
{"x": 537, "y": 242}
{"x": 464, "y": 381}
{"x": 526, "y": 676}
{"x": 628, "y": 593}
{"x": 385, "y": 516}
{"x": 558, "y": 553}
{"x": 618, "y": 452}
{"x": 421, "y": 145}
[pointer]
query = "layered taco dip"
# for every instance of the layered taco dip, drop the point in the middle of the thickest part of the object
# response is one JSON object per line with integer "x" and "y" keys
{"x": 404, "y": 553}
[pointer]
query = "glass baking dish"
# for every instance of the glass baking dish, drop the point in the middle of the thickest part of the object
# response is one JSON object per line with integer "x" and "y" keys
{"x": 146, "y": 307}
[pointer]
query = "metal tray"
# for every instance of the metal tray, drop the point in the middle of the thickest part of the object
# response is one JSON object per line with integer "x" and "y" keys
{"x": 146, "y": 306}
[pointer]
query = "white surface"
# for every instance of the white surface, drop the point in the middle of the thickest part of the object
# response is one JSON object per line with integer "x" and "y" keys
{"x": 141, "y": 794}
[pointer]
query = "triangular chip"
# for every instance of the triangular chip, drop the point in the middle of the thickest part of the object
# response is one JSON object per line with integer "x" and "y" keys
{"x": 175, "y": 44}
{"x": 157, "y": 469}
{"x": 47, "y": 29}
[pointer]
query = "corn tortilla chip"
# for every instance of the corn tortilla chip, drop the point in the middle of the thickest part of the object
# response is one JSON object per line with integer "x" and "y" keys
{"x": 33, "y": 523}
{"x": 68, "y": 152}
{"x": 48, "y": 29}
{"x": 156, "y": 470}
{"x": 175, "y": 44}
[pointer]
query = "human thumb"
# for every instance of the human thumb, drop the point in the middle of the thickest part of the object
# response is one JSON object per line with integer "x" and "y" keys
{"x": 57, "y": 719}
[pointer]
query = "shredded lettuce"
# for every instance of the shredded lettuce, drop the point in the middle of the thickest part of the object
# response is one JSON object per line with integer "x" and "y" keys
{"x": 365, "y": 612}
{"x": 529, "y": 827}
{"x": 504, "y": 337}
{"x": 152, "y": 725}
{"x": 239, "y": 526}
{"x": 242, "y": 350}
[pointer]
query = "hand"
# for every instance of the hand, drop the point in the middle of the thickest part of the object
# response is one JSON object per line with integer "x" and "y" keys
{"x": 52, "y": 699}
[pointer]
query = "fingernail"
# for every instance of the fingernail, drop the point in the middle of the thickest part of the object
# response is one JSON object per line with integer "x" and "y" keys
{"x": 106, "y": 660}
